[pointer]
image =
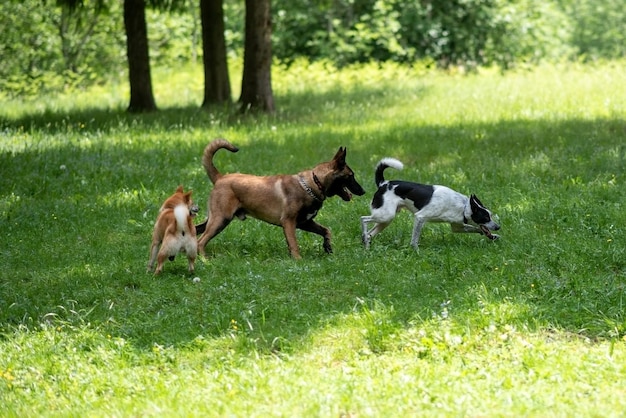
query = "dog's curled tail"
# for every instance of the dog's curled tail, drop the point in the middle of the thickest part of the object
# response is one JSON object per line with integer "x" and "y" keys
{"x": 209, "y": 152}
{"x": 181, "y": 212}
{"x": 382, "y": 165}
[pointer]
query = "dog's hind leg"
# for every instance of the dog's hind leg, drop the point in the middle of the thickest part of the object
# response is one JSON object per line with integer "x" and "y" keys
{"x": 160, "y": 260}
{"x": 417, "y": 230}
{"x": 214, "y": 226}
{"x": 314, "y": 227}
{"x": 191, "y": 249}
{"x": 169, "y": 248}
{"x": 164, "y": 253}
{"x": 157, "y": 240}
{"x": 154, "y": 250}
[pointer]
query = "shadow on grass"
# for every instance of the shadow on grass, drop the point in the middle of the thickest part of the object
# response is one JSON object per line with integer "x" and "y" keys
{"x": 78, "y": 236}
{"x": 300, "y": 108}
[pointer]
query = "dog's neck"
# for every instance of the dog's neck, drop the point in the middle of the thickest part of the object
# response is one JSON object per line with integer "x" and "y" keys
{"x": 308, "y": 188}
{"x": 465, "y": 214}
{"x": 318, "y": 183}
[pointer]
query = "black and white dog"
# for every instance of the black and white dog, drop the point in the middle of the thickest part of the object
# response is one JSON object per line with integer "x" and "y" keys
{"x": 428, "y": 203}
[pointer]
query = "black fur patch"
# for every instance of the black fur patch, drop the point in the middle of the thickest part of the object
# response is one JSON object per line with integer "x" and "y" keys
{"x": 480, "y": 215}
{"x": 308, "y": 212}
{"x": 419, "y": 194}
{"x": 377, "y": 200}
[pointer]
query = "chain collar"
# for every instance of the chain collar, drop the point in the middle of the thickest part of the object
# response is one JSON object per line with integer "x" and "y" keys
{"x": 308, "y": 189}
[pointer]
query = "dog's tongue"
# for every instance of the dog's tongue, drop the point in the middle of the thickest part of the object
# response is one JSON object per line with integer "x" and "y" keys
{"x": 486, "y": 231}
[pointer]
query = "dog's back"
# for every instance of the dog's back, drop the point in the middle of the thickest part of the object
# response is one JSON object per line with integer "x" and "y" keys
{"x": 405, "y": 194}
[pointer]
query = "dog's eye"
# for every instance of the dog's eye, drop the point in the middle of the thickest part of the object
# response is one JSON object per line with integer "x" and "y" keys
{"x": 481, "y": 218}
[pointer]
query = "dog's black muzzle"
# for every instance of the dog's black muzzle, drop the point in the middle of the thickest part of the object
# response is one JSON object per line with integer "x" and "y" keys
{"x": 345, "y": 187}
{"x": 355, "y": 187}
{"x": 351, "y": 187}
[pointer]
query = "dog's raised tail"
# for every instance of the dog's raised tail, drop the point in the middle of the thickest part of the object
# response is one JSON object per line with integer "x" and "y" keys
{"x": 379, "y": 177}
{"x": 181, "y": 212}
{"x": 209, "y": 152}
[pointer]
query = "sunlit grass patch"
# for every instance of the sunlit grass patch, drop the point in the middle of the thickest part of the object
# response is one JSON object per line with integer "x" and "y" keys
{"x": 531, "y": 324}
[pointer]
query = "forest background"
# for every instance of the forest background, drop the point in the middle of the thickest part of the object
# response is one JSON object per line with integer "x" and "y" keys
{"x": 47, "y": 48}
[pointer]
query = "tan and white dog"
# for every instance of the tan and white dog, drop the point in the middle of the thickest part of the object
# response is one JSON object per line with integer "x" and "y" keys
{"x": 287, "y": 200}
{"x": 174, "y": 231}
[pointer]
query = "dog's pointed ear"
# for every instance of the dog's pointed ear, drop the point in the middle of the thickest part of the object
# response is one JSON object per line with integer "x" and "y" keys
{"x": 474, "y": 201}
{"x": 179, "y": 189}
{"x": 340, "y": 157}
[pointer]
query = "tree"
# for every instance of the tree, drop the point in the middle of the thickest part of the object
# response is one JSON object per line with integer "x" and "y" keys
{"x": 256, "y": 84}
{"x": 141, "y": 97}
{"x": 216, "y": 79}
{"x": 82, "y": 26}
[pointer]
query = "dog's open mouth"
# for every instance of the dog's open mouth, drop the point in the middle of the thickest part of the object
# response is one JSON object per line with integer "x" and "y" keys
{"x": 346, "y": 191}
{"x": 487, "y": 232}
{"x": 345, "y": 188}
{"x": 345, "y": 194}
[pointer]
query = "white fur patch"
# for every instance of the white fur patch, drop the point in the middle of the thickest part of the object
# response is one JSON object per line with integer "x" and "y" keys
{"x": 181, "y": 212}
{"x": 392, "y": 162}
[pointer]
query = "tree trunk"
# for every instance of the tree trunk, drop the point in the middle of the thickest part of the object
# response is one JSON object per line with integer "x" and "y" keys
{"x": 141, "y": 97}
{"x": 216, "y": 80}
{"x": 256, "y": 85}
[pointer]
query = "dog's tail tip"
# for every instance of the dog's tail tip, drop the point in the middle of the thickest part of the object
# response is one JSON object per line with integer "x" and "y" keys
{"x": 218, "y": 143}
{"x": 209, "y": 152}
{"x": 379, "y": 177}
{"x": 391, "y": 162}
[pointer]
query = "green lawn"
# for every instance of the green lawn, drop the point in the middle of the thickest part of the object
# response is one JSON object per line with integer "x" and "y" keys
{"x": 533, "y": 324}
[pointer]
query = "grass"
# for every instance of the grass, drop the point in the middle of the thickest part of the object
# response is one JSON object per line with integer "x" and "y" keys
{"x": 531, "y": 325}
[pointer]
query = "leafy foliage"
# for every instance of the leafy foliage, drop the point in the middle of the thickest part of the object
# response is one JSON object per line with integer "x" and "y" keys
{"x": 46, "y": 47}
{"x": 452, "y": 32}
{"x": 597, "y": 28}
{"x": 53, "y": 47}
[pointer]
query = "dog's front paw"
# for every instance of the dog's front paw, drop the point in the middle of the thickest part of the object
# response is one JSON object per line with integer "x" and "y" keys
{"x": 328, "y": 248}
{"x": 494, "y": 237}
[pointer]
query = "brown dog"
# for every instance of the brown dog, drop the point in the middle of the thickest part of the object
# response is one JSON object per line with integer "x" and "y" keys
{"x": 174, "y": 231}
{"x": 289, "y": 201}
